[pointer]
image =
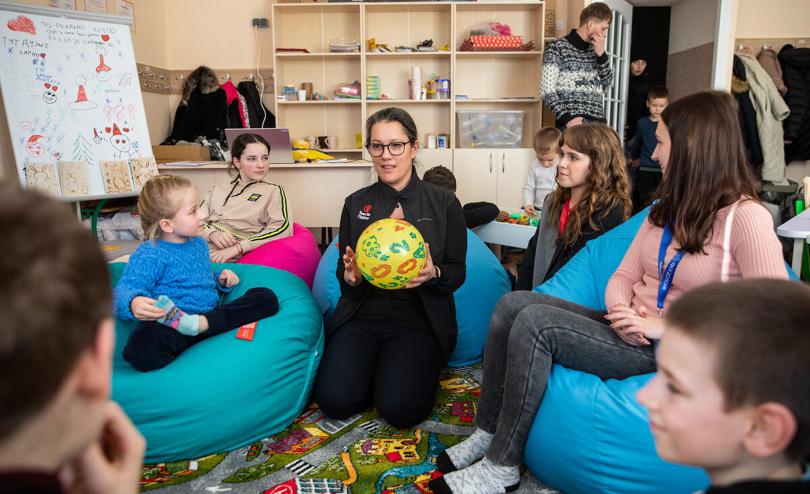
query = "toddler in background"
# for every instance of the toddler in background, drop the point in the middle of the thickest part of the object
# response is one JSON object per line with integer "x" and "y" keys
{"x": 541, "y": 179}
{"x": 168, "y": 284}
{"x": 731, "y": 395}
{"x": 646, "y": 172}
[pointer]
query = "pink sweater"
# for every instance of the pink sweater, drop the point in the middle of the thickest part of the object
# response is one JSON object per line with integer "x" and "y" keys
{"x": 755, "y": 253}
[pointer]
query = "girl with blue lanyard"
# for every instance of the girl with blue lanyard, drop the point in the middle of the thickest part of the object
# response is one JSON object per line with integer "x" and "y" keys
{"x": 707, "y": 225}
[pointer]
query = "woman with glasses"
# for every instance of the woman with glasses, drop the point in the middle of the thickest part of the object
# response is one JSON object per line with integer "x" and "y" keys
{"x": 386, "y": 347}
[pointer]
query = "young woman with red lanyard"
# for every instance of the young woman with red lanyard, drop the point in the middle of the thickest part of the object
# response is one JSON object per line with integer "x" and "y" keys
{"x": 593, "y": 196}
{"x": 716, "y": 229}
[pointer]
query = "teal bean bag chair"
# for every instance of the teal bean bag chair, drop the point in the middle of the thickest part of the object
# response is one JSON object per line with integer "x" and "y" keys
{"x": 591, "y": 436}
{"x": 486, "y": 282}
{"x": 225, "y": 392}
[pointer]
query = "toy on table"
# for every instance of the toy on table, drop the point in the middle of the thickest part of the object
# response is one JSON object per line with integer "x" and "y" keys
{"x": 517, "y": 218}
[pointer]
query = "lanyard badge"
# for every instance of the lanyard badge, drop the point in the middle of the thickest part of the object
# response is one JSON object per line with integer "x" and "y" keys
{"x": 666, "y": 275}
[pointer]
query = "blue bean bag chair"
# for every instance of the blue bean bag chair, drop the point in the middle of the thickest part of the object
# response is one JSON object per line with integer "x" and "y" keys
{"x": 486, "y": 282}
{"x": 590, "y": 435}
{"x": 225, "y": 392}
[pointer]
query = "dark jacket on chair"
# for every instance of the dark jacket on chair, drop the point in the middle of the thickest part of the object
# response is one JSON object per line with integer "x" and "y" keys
{"x": 436, "y": 213}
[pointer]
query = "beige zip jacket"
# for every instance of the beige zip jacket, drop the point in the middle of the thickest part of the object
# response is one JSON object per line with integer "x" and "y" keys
{"x": 253, "y": 212}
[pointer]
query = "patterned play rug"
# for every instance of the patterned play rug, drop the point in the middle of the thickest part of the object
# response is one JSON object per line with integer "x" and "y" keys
{"x": 317, "y": 455}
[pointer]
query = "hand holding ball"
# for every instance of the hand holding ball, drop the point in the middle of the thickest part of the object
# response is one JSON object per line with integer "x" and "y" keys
{"x": 390, "y": 253}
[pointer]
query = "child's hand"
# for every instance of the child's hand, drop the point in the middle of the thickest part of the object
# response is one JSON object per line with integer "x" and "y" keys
{"x": 112, "y": 463}
{"x": 224, "y": 255}
{"x": 529, "y": 208}
{"x": 635, "y": 162}
{"x": 222, "y": 240}
{"x": 228, "y": 278}
{"x": 573, "y": 122}
{"x": 143, "y": 308}
{"x": 351, "y": 273}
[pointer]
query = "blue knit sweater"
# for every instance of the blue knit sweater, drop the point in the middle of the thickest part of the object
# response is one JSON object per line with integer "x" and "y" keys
{"x": 182, "y": 272}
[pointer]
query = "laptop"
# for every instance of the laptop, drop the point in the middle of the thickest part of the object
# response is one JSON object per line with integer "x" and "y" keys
{"x": 279, "y": 139}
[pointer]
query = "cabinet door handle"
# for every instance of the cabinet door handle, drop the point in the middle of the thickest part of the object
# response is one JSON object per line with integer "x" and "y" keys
{"x": 490, "y": 162}
{"x": 503, "y": 163}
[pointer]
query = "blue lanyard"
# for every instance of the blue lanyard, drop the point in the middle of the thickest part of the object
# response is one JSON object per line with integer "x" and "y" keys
{"x": 666, "y": 275}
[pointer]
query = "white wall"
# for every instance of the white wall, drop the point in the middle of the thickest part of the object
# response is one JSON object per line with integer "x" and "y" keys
{"x": 692, "y": 24}
{"x": 773, "y": 19}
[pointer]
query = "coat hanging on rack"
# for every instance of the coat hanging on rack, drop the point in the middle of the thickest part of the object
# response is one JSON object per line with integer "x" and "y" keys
{"x": 255, "y": 106}
{"x": 770, "y": 111}
{"x": 748, "y": 116}
{"x": 796, "y": 74}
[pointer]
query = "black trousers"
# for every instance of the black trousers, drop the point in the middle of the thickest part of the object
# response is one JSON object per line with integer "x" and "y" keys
{"x": 645, "y": 183}
{"x": 153, "y": 345}
{"x": 394, "y": 367}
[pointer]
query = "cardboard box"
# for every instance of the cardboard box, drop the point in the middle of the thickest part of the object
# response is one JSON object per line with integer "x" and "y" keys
{"x": 166, "y": 154}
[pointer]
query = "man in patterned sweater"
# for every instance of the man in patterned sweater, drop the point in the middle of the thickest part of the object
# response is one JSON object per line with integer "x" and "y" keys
{"x": 576, "y": 70}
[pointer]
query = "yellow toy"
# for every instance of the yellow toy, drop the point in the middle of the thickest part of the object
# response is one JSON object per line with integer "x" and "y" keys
{"x": 310, "y": 155}
{"x": 390, "y": 253}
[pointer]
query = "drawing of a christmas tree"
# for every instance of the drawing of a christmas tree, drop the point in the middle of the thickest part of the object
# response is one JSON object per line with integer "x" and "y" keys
{"x": 81, "y": 150}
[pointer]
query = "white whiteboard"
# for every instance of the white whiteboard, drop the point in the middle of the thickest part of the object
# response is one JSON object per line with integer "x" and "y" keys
{"x": 71, "y": 93}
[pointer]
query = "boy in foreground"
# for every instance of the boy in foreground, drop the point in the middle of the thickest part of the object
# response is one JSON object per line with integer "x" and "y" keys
{"x": 59, "y": 431}
{"x": 732, "y": 393}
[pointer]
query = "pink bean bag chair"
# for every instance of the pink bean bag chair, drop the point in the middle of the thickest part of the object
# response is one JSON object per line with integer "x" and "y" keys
{"x": 298, "y": 254}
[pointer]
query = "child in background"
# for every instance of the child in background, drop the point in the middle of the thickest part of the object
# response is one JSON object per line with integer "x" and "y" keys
{"x": 168, "y": 284}
{"x": 731, "y": 394}
{"x": 542, "y": 175}
{"x": 247, "y": 211}
{"x": 475, "y": 213}
{"x": 647, "y": 171}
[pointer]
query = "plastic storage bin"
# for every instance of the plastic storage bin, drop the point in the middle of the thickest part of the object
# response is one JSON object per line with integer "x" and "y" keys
{"x": 490, "y": 128}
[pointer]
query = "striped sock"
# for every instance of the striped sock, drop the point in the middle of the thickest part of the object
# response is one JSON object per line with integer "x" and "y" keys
{"x": 186, "y": 324}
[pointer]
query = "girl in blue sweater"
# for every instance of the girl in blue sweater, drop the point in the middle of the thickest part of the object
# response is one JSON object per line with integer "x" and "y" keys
{"x": 168, "y": 284}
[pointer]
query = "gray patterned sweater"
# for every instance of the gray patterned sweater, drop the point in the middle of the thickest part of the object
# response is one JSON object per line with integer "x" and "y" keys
{"x": 574, "y": 79}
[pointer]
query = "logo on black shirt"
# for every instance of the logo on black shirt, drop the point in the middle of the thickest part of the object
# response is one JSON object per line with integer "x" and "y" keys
{"x": 254, "y": 197}
{"x": 364, "y": 213}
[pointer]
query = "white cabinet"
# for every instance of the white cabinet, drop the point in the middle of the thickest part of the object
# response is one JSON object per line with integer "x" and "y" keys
{"x": 492, "y": 175}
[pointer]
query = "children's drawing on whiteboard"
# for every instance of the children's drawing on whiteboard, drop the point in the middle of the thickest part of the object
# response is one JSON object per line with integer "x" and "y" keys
{"x": 119, "y": 112}
{"x": 82, "y": 103}
{"x": 120, "y": 142}
{"x": 49, "y": 96}
{"x": 102, "y": 69}
{"x": 35, "y": 146}
{"x": 82, "y": 150}
{"x": 125, "y": 80}
{"x": 22, "y": 24}
{"x": 97, "y": 138}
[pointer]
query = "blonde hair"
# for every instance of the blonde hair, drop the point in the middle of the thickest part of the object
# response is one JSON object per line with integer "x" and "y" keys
{"x": 156, "y": 203}
{"x": 547, "y": 140}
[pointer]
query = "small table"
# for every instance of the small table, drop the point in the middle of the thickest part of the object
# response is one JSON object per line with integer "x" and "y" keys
{"x": 797, "y": 228}
{"x": 508, "y": 234}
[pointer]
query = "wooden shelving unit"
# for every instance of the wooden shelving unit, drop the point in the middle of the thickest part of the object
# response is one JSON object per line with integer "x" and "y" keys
{"x": 501, "y": 80}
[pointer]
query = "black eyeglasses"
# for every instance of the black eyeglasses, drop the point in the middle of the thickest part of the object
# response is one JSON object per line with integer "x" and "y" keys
{"x": 395, "y": 148}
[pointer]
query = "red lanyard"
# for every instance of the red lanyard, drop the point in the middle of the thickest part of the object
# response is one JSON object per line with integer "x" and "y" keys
{"x": 564, "y": 214}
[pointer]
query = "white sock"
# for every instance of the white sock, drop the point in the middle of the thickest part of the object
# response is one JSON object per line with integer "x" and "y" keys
{"x": 483, "y": 477}
{"x": 466, "y": 452}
